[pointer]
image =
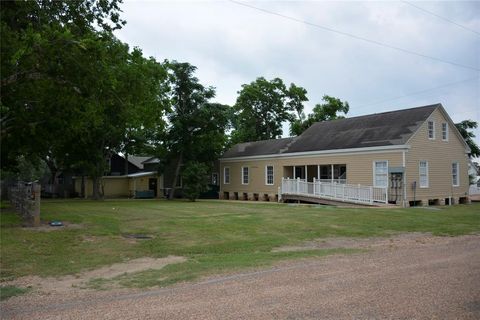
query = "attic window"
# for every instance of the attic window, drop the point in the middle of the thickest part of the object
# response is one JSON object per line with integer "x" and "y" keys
{"x": 444, "y": 131}
{"x": 431, "y": 130}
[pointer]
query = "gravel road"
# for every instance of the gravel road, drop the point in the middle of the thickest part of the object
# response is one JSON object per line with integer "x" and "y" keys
{"x": 429, "y": 278}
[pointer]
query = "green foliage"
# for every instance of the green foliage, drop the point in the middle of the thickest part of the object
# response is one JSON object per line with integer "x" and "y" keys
{"x": 261, "y": 108}
{"x": 466, "y": 130}
{"x": 321, "y": 112}
{"x": 197, "y": 126}
{"x": 72, "y": 93}
{"x": 194, "y": 179}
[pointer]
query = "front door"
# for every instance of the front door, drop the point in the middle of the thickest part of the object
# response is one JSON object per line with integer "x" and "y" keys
{"x": 152, "y": 185}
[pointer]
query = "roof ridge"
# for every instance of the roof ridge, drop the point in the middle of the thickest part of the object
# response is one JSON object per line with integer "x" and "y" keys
{"x": 382, "y": 113}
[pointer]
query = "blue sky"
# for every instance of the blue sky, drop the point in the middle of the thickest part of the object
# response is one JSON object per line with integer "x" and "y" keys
{"x": 233, "y": 44}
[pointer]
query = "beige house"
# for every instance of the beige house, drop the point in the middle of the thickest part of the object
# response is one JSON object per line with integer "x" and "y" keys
{"x": 135, "y": 185}
{"x": 404, "y": 157}
{"x": 135, "y": 177}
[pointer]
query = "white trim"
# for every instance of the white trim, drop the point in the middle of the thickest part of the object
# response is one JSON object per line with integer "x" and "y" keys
{"x": 420, "y": 174}
{"x": 458, "y": 173}
{"x": 446, "y": 131}
{"x": 132, "y": 175}
{"x": 248, "y": 175}
{"x": 224, "y": 180}
{"x": 452, "y": 125}
{"x": 374, "y": 174}
{"x": 309, "y": 154}
{"x": 455, "y": 130}
{"x": 433, "y": 129}
{"x": 266, "y": 175}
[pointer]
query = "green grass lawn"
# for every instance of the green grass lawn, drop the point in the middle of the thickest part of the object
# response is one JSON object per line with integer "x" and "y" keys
{"x": 215, "y": 236}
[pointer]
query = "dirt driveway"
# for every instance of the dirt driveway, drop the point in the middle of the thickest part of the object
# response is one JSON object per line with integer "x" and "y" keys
{"x": 421, "y": 277}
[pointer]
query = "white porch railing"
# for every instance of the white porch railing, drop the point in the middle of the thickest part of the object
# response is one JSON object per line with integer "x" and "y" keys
{"x": 334, "y": 191}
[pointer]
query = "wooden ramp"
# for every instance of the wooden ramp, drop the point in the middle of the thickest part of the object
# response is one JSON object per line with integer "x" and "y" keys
{"x": 309, "y": 199}
{"x": 332, "y": 193}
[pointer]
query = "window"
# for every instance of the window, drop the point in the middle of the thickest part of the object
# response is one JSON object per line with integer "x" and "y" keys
{"x": 423, "y": 170}
{"x": 380, "y": 174}
{"x": 226, "y": 175}
{"x": 444, "y": 131}
{"x": 455, "y": 181}
{"x": 431, "y": 130}
{"x": 244, "y": 175}
{"x": 269, "y": 175}
{"x": 215, "y": 179}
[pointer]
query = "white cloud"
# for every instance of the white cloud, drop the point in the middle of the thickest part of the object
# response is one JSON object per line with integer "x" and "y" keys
{"x": 232, "y": 45}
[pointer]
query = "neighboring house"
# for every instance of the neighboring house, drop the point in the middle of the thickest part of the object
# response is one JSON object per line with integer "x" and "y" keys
{"x": 141, "y": 181}
{"x": 474, "y": 190}
{"x": 412, "y": 155}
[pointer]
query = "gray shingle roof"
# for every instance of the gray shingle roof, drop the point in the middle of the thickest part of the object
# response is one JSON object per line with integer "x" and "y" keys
{"x": 380, "y": 129}
{"x": 258, "y": 148}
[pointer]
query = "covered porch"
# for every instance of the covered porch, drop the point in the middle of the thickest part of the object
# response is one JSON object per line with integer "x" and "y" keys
{"x": 332, "y": 173}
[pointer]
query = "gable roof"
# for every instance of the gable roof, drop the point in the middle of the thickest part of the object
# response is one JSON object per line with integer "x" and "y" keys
{"x": 380, "y": 129}
{"x": 138, "y": 160}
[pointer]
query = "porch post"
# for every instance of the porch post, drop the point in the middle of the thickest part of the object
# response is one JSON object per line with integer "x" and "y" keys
{"x": 318, "y": 171}
{"x": 314, "y": 183}
{"x": 294, "y": 172}
{"x": 331, "y": 173}
{"x": 306, "y": 174}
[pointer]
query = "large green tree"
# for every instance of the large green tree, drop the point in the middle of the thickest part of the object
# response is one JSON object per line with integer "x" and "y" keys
{"x": 43, "y": 46}
{"x": 71, "y": 92}
{"x": 196, "y": 126}
{"x": 332, "y": 108}
{"x": 466, "y": 130}
{"x": 263, "y": 106}
{"x": 194, "y": 179}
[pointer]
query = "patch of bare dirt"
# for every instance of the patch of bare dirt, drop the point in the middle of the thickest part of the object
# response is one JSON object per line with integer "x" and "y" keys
{"x": 69, "y": 283}
{"x": 401, "y": 240}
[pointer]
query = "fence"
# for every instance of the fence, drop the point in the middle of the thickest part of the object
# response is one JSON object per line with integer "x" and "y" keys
{"x": 335, "y": 191}
{"x": 25, "y": 199}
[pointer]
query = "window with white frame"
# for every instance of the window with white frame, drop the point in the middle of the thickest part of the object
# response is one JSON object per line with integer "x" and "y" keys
{"x": 455, "y": 180}
{"x": 226, "y": 175}
{"x": 431, "y": 130}
{"x": 423, "y": 171}
{"x": 269, "y": 175}
{"x": 380, "y": 173}
{"x": 245, "y": 175}
{"x": 444, "y": 131}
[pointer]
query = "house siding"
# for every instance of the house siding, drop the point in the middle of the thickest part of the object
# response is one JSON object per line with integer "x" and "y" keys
{"x": 440, "y": 156}
{"x": 359, "y": 170}
{"x": 118, "y": 187}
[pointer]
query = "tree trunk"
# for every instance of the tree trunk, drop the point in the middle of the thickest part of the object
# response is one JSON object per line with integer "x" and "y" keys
{"x": 175, "y": 177}
{"x": 54, "y": 173}
{"x": 126, "y": 163}
{"x": 82, "y": 188}
{"x": 96, "y": 188}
